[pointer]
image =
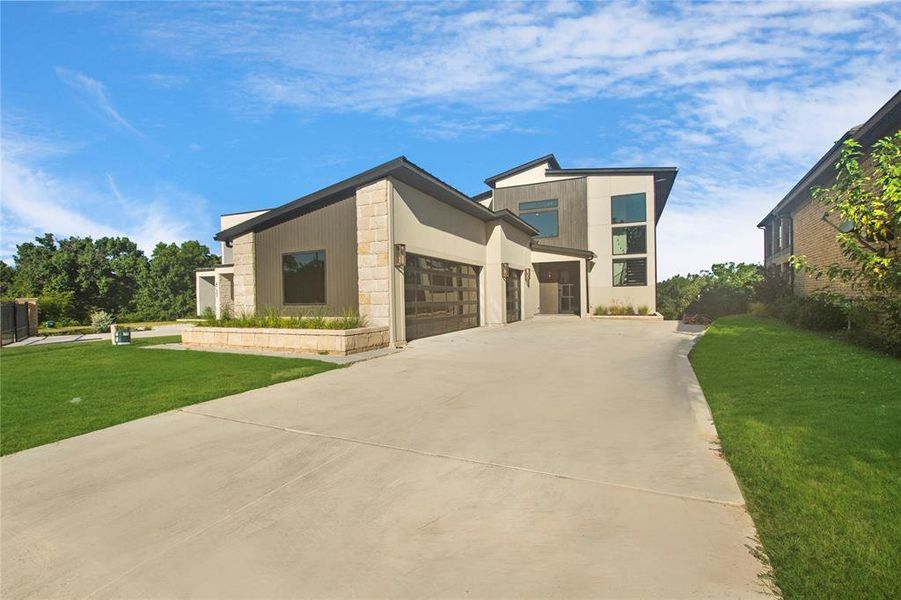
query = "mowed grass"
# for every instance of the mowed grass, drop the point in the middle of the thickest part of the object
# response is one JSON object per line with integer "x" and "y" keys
{"x": 52, "y": 392}
{"x": 812, "y": 428}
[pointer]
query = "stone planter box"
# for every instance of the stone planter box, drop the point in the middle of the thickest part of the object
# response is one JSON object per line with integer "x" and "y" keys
{"x": 653, "y": 317}
{"x": 340, "y": 342}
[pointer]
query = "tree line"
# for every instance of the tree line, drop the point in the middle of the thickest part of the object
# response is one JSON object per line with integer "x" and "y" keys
{"x": 75, "y": 276}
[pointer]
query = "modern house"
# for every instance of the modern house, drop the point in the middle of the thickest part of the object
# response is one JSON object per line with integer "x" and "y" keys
{"x": 411, "y": 252}
{"x": 799, "y": 225}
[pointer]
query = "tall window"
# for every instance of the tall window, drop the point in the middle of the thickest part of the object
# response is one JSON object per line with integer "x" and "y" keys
{"x": 542, "y": 215}
{"x": 629, "y": 208}
{"x": 630, "y": 271}
{"x": 303, "y": 277}
{"x": 630, "y": 240}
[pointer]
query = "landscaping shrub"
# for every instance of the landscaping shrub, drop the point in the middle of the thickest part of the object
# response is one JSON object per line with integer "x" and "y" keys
{"x": 772, "y": 287}
{"x": 599, "y": 310}
{"x": 718, "y": 301}
{"x": 271, "y": 318}
{"x": 56, "y": 307}
{"x": 101, "y": 321}
{"x": 643, "y": 310}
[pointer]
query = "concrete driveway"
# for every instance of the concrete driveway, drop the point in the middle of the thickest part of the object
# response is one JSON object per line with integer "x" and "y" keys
{"x": 552, "y": 458}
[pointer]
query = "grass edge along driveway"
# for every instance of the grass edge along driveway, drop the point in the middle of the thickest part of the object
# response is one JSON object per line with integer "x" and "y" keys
{"x": 49, "y": 393}
{"x": 812, "y": 429}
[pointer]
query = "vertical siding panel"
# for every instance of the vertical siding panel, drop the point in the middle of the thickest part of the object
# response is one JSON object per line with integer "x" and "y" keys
{"x": 332, "y": 228}
{"x": 572, "y": 197}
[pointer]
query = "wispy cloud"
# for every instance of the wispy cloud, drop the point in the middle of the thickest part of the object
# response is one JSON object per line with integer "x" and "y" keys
{"x": 35, "y": 200}
{"x": 94, "y": 93}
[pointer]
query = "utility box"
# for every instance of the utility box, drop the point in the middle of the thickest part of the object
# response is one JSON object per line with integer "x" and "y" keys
{"x": 121, "y": 336}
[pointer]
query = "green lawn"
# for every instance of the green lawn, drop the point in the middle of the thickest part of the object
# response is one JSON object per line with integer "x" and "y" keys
{"x": 812, "y": 428}
{"x": 51, "y": 392}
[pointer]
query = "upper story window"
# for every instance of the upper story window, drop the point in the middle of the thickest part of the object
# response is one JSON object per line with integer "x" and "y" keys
{"x": 303, "y": 277}
{"x": 629, "y": 208}
{"x": 542, "y": 215}
{"x": 630, "y": 240}
{"x": 630, "y": 272}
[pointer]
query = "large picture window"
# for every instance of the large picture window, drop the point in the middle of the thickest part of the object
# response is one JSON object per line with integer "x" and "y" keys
{"x": 303, "y": 277}
{"x": 542, "y": 215}
{"x": 629, "y": 208}
{"x": 630, "y": 271}
{"x": 630, "y": 240}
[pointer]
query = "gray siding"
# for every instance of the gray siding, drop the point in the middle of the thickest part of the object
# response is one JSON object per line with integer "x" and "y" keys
{"x": 572, "y": 197}
{"x": 332, "y": 228}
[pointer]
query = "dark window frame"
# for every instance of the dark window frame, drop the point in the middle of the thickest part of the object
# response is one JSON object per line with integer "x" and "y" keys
{"x": 626, "y": 260}
{"x": 644, "y": 197}
{"x": 324, "y": 278}
{"x": 644, "y": 250}
{"x": 537, "y": 207}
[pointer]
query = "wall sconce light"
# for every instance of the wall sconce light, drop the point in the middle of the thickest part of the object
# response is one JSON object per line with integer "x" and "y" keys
{"x": 528, "y": 274}
{"x": 843, "y": 227}
{"x": 400, "y": 255}
{"x": 505, "y": 270}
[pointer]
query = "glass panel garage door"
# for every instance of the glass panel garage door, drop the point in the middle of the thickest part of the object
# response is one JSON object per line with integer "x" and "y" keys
{"x": 439, "y": 296}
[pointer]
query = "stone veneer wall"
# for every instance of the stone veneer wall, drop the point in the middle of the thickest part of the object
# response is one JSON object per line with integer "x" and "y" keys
{"x": 224, "y": 297}
{"x": 373, "y": 268}
{"x": 340, "y": 342}
{"x": 244, "y": 281}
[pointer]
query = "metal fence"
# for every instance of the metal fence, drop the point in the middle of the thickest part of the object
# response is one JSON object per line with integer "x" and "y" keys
{"x": 13, "y": 322}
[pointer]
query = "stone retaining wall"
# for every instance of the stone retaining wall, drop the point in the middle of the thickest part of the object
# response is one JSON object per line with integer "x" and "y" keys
{"x": 331, "y": 341}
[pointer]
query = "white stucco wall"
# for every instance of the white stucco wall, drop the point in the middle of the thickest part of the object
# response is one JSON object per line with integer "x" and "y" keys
{"x": 600, "y": 241}
{"x": 533, "y": 175}
{"x": 506, "y": 244}
{"x": 429, "y": 227}
{"x": 226, "y": 221}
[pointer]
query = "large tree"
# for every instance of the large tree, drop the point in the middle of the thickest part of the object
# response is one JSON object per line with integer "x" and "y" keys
{"x": 866, "y": 200}
{"x": 167, "y": 285}
{"x": 79, "y": 275}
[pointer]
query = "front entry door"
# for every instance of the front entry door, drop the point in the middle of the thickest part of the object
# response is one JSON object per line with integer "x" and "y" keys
{"x": 567, "y": 294}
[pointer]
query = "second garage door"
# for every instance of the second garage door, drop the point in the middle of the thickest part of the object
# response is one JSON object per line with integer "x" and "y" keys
{"x": 439, "y": 296}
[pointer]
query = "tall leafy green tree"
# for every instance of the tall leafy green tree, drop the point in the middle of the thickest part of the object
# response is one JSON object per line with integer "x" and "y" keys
{"x": 7, "y": 274}
{"x": 167, "y": 285}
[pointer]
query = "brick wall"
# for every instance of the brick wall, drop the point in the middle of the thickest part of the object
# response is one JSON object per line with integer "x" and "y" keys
{"x": 815, "y": 239}
{"x": 373, "y": 269}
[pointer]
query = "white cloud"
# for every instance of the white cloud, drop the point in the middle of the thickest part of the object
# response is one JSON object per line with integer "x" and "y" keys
{"x": 94, "y": 92}
{"x": 34, "y": 201}
{"x": 750, "y": 93}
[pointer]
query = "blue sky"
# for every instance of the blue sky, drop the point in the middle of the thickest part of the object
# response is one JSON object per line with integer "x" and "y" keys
{"x": 149, "y": 120}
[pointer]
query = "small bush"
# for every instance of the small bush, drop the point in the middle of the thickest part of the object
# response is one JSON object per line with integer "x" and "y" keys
{"x": 643, "y": 310}
{"x": 208, "y": 314}
{"x": 772, "y": 288}
{"x": 101, "y": 321}
{"x": 718, "y": 301}
{"x": 759, "y": 309}
{"x": 599, "y": 310}
{"x": 619, "y": 310}
{"x": 56, "y": 307}
{"x": 822, "y": 313}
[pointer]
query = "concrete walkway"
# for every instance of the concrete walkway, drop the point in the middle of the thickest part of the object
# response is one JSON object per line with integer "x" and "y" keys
{"x": 546, "y": 459}
{"x": 158, "y": 331}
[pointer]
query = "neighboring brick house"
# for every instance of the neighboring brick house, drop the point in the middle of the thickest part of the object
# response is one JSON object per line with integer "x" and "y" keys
{"x": 799, "y": 226}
